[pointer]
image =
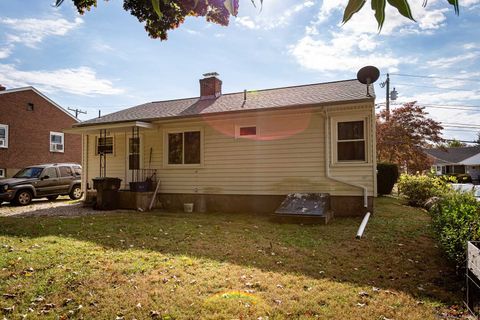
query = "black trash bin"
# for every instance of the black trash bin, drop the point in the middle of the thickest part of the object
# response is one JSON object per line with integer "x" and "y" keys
{"x": 107, "y": 192}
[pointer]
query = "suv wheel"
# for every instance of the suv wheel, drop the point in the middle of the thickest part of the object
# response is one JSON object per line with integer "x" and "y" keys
{"x": 52, "y": 198}
{"x": 76, "y": 192}
{"x": 23, "y": 197}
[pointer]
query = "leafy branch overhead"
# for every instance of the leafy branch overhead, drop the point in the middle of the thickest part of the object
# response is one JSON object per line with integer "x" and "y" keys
{"x": 379, "y": 6}
{"x": 160, "y": 16}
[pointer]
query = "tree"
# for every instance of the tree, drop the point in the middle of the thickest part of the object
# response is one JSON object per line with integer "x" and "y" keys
{"x": 161, "y": 16}
{"x": 378, "y": 6}
{"x": 478, "y": 139}
{"x": 402, "y": 136}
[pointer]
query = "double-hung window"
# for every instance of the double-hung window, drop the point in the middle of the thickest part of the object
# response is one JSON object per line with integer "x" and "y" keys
{"x": 56, "y": 142}
{"x": 184, "y": 147}
{"x": 104, "y": 145}
{"x": 351, "y": 141}
{"x": 3, "y": 136}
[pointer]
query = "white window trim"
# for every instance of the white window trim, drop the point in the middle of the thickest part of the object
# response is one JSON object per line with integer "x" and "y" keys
{"x": 2, "y": 172}
{"x": 5, "y": 144}
{"x": 52, "y": 149}
{"x": 238, "y": 127}
{"x": 334, "y": 140}
{"x": 165, "y": 148}
{"x": 113, "y": 145}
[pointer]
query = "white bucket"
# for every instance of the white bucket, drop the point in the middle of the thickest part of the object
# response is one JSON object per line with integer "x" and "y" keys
{"x": 188, "y": 207}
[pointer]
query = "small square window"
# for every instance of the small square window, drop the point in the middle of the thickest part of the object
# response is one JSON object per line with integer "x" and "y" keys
{"x": 56, "y": 142}
{"x": 30, "y": 106}
{"x": 3, "y": 173}
{"x": 245, "y": 131}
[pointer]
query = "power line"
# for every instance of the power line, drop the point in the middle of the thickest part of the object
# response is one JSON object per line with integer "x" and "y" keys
{"x": 441, "y": 106}
{"x": 432, "y": 87}
{"x": 434, "y": 77}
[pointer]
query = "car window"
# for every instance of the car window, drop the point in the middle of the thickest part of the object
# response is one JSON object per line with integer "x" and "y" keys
{"x": 50, "y": 172}
{"x": 29, "y": 173}
{"x": 77, "y": 170}
{"x": 65, "y": 171}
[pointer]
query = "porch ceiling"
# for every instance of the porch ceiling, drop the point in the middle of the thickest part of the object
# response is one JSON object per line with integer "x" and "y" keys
{"x": 112, "y": 127}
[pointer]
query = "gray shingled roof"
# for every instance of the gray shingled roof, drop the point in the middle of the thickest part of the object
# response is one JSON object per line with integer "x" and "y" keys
{"x": 453, "y": 155}
{"x": 313, "y": 94}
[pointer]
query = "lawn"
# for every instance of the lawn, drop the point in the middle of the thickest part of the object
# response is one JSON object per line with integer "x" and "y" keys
{"x": 219, "y": 266}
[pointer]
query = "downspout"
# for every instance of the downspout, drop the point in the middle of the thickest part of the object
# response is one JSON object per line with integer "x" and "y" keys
{"x": 329, "y": 176}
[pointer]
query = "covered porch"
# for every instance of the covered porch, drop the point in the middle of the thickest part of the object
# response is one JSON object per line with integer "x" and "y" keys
{"x": 120, "y": 151}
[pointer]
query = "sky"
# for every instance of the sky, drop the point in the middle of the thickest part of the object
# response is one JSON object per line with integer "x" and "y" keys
{"x": 104, "y": 59}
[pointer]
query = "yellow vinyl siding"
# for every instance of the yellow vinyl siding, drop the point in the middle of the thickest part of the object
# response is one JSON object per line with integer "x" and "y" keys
{"x": 288, "y": 155}
{"x": 115, "y": 162}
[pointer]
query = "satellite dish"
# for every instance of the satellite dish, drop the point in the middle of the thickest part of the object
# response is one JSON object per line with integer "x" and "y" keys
{"x": 368, "y": 75}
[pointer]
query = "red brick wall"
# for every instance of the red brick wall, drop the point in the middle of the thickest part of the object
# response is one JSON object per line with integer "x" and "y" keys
{"x": 29, "y": 131}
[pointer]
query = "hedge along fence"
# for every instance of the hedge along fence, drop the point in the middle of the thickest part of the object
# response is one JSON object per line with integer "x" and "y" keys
{"x": 456, "y": 220}
{"x": 455, "y": 215}
{"x": 387, "y": 176}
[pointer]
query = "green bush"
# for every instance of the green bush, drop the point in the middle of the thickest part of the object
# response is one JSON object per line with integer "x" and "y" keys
{"x": 456, "y": 220}
{"x": 461, "y": 177}
{"x": 418, "y": 189}
{"x": 387, "y": 176}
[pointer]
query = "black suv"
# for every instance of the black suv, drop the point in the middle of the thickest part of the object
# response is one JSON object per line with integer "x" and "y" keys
{"x": 46, "y": 180}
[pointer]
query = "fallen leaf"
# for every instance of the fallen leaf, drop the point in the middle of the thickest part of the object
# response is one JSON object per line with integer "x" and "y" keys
{"x": 363, "y": 294}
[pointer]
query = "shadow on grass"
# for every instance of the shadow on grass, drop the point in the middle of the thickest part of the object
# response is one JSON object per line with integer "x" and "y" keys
{"x": 397, "y": 253}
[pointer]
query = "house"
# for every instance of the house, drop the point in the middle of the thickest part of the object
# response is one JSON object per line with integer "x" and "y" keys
{"x": 243, "y": 151}
{"x": 456, "y": 160}
{"x": 31, "y": 131}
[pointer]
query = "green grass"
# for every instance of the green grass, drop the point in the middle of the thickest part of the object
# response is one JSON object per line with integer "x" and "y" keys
{"x": 220, "y": 266}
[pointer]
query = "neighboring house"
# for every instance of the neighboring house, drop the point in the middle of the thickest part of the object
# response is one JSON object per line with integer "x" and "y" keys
{"x": 243, "y": 151}
{"x": 31, "y": 131}
{"x": 456, "y": 160}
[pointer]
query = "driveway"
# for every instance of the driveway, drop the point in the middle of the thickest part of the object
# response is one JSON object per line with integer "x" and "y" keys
{"x": 63, "y": 206}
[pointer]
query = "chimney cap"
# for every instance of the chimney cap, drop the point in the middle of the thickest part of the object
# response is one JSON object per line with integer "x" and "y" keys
{"x": 210, "y": 74}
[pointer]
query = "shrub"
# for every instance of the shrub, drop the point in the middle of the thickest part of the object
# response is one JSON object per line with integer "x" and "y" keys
{"x": 461, "y": 177}
{"x": 417, "y": 189}
{"x": 456, "y": 220}
{"x": 387, "y": 176}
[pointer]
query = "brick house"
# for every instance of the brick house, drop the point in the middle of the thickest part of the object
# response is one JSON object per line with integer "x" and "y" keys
{"x": 31, "y": 131}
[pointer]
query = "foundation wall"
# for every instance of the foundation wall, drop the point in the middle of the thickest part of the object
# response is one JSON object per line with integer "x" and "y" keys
{"x": 342, "y": 206}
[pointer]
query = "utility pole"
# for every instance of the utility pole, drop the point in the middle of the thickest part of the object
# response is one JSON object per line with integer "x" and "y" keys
{"x": 77, "y": 111}
{"x": 386, "y": 84}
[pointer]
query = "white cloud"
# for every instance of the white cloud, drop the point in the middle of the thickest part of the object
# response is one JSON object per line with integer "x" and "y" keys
{"x": 190, "y": 31}
{"x": 273, "y": 18}
{"x": 5, "y": 52}
{"x": 341, "y": 53}
{"x": 246, "y": 22}
{"x": 32, "y": 31}
{"x": 471, "y": 45}
{"x": 469, "y": 3}
{"x": 81, "y": 81}
{"x": 448, "y": 62}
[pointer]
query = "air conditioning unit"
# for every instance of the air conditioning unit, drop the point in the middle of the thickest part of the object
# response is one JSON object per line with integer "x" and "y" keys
{"x": 2, "y": 142}
{"x": 56, "y": 147}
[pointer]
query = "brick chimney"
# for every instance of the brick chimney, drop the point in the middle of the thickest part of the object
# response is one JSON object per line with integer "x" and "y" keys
{"x": 2, "y": 88}
{"x": 210, "y": 86}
